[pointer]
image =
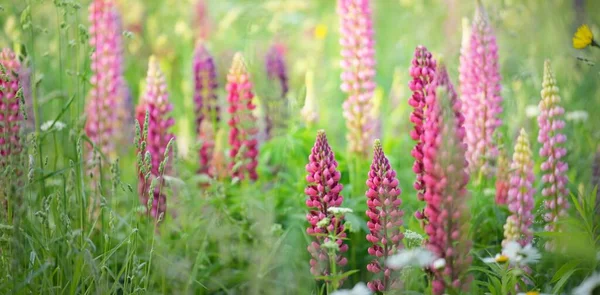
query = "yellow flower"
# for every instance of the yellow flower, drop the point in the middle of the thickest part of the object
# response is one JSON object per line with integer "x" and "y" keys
{"x": 532, "y": 293}
{"x": 320, "y": 31}
{"x": 583, "y": 37}
{"x": 501, "y": 258}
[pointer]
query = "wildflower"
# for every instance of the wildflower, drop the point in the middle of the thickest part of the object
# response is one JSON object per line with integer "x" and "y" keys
{"x": 555, "y": 180}
{"x": 276, "y": 106}
{"x": 310, "y": 112}
{"x": 206, "y": 103}
{"x": 155, "y": 102}
{"x": 358, "y": 72}
{"x": 320, "y": 32}
{"x": 422, "y": 71}
{"x": 242, "y": 136}
{"x": 359, "y": 289}
{"x": 385, "y": 217}
{"x": 419, "y": 257}
{"x": 583, "y": 38}
{"x": 107, "y": 96}
{"x": 499, "y": 258}
{"x": 323, "y": 192}
{"x": 446, "y": 179}
{"x": 515, "y": 254}
{"x": 590, "y": 286}
{"x": 520, "y": 194}
{"x": 480, "y": 89}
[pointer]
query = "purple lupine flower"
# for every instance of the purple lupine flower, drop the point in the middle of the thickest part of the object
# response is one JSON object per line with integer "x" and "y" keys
{"x": 156, "y": 102}
{"x": 276, "y": 106}
{"x": 385, "y": 218}
{"x": 520, "y": 194}
{"x": 480, "y": 90}
{"x": 358, "y": 72}
{"x": 206, "y": 103}
{"x": 276, "y": 69}
{"x": 555, "y": 180}
{"x": 107, "y": 94}
{"x": 446, "y": 179}
{"x": 10, "y": 114}
{"x": 422, "y": 71}
{"x": 323, "y": 192}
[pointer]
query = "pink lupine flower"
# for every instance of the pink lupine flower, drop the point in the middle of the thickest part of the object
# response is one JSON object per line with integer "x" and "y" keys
{"x": 107, "y": 97}
{"x": 555, "y": 170}
{"x": 155, "y": 101}
{"x": 11, "y": 118}
{"x": 446, "y": 179}
{"x": 242, "y": 136}
{"x": 323, "y": 192}
{"x": 422, "y": 71}
{"x": 358, "y": 72}
{"x": 480, "y": 90}
{"x": 520, "y": 194}
{"x": 206, "y": 103}
{"x": 385, "y": 218}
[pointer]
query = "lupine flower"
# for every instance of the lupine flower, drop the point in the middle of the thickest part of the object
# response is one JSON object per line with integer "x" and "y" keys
{"x": 550, "y": 122}
{"x": 480, "y": 90}
{"x": 358, "y": 71}
{"x": 385, "y": 218}
{"x": 520, "y": 194}
{"x": 446, "y": 179}
{"x": 276, "y": 107}
{"x": 155, "y": 101}
{"x": 11, "y": 118}
{"x": 242, "y": 136}
{"x": 310, "y": 111}
{"x": 463, "y": 67}
{"x": 206, "y": 103}
{"x": 107, "y": 97}
{"x": 323, "y": 192}
{"x": 502, "y": 178}
{"x": 422, "y": 72}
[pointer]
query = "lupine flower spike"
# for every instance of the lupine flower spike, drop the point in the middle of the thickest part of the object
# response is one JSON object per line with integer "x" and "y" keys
{"x": 520, "y": 195}
{"x": 106, "y": 107}
{"x": 206, "y": 103}
{"x": 242, "y": 136}
{"x": 422, "y": 72}
{"x": 446, "y": 179}
{"x": 276, "y": 106}
{"x": 358, "y": 72}
{"x": 155, "y": 102}
{"x": 555, "y": 180}
{"x": 385, "y": 218}
{"x": 480, "y": 90}
{"x": 323, "y": 192}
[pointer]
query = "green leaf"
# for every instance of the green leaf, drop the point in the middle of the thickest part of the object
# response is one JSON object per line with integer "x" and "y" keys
{"x": 564, "y": 269}
{"x": 563, "y": 280}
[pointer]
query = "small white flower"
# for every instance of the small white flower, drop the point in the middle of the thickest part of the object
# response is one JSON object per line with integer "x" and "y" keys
{"x": 359, "y": 289}
{"x": 58, "y": 125}
{"x": 412, "y": 257}
{"x": 532, "y": 111}
{"x": 411, "y": 235}
{"x": 577, "y": 116}
{"x": 339, "y": 210}
{"x": 513, "y": 253}
{"x": 589, "y": 286}
{"x": 499, "y": 258}
{"x": 439, "y": 263}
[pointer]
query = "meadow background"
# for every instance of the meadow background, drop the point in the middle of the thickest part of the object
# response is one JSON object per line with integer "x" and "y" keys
{"x": 249, "y": 238}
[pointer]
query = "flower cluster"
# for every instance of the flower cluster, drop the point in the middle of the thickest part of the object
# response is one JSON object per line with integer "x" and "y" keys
{"x": 358, "y": 72}
{"x": 480, "y": 90}
{"x": 422, "y": 71}
{"x": 10, "y": 115}
{"x": 385, "y": 218}
{"x": 520, "y": 194}
{"x": 323, "y": 192}
{"x": 155, "y": 102}
{"x": 446, "y": 179}
{"x": 555, "y": 170}
{"x": 106, "y": 108}
{"x": 206, "y": 103}
{"x": 242, "y": 136}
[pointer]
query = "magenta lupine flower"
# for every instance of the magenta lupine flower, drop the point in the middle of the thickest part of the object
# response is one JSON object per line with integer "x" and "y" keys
{"x": 10, "y": 115}
{"x": 107, "y": 95}
{"x": 480, "y": 90}
{"x": 242, "y": 136}
{"x": 555, "y": 170}
{"x": 520, "y": 194}
{"x": 323, "y": 192}
{"x": 156, "y": 102}
{"x": 422, "y": 72}
{"x": 358, "y": 72}
{"x": 206, "y": 103}
{"x": 446, "y": 179}
{"x": 385, "y": 218}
